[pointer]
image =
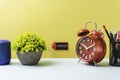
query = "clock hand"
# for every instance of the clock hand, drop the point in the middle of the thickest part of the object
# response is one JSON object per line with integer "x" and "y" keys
{"x": 90, "y": 46}
{"x": 83, "y": 46}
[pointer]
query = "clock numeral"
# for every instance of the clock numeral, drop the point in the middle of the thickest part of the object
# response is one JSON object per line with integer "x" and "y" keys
{"x": 90, "y": 56}
{"x": 91, "y": 41}
{"x": 83, "y": 55}
{"x": 80, "y": 51}
{"x": 80, "y": 47}
{"x": 86, "y": 57}
{"x": 88, "y": 40}
{"x": 83, "y": 40}
{"x": 94, "y": 49}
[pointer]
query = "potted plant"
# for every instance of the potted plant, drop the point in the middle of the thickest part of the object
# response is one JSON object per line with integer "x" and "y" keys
{"x": 29, "y": 48}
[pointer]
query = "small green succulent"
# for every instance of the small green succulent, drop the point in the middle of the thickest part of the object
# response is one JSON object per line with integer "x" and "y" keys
{"x": 28, "y": 42}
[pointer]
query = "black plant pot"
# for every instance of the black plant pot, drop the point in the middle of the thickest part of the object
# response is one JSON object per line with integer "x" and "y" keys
{"x": 29, "y": 58}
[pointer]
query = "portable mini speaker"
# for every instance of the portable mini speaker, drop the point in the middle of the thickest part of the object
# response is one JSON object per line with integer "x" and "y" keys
{"x": 5, "y": 52}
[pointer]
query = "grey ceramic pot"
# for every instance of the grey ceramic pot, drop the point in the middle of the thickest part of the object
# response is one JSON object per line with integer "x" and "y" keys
{"x": 29, "y": 58}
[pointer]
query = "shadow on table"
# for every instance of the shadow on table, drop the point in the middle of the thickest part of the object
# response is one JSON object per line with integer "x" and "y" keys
{"x": 101, "y": 64}
{"x": 41, "y": 63}
{"x": 46, "y": 63}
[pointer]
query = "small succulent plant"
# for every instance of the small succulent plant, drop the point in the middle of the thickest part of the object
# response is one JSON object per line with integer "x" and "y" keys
{"x": 28, "y": 42}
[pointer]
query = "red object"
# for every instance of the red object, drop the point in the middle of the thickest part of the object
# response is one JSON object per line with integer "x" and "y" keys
{"x": 83, "y": 32}
{"x": 54, "y": 45}
{"x": 97, "y": 33}
{"x": 91, "y": 47}
{"x": 118, "y": 36}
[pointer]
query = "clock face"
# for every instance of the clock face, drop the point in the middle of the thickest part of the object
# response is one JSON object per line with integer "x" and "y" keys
{"x": 86, "y": 48}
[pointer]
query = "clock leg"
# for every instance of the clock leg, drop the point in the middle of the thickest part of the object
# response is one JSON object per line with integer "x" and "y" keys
{"x": 94, "y": 63}
{"x": 79, "y": 60}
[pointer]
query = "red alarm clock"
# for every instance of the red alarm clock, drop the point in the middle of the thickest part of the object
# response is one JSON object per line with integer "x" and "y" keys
{"x": 91, "y": 46}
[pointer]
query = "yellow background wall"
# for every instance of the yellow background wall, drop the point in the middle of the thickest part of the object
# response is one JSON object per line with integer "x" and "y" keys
{"x": 56, "y": 20}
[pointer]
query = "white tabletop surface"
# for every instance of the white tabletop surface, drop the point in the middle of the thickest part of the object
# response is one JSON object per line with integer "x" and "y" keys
{"x": 59, "y": 69}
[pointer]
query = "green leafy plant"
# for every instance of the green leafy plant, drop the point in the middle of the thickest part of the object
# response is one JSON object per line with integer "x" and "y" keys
{"x": 28, "y": 42}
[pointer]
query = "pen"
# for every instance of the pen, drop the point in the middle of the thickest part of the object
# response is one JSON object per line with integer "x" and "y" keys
{"x": 111, "y": 36}
{"x": 115, "y": 35}
{"x": 107, "y": 32}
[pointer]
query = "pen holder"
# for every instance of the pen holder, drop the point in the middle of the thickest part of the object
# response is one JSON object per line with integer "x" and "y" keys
{"x": 114, "y": 58}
